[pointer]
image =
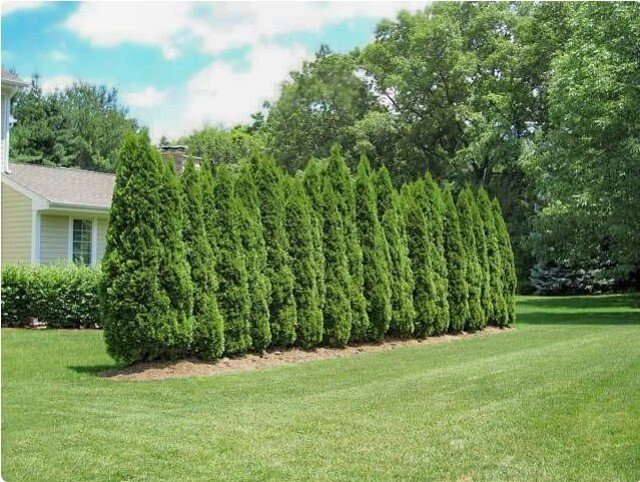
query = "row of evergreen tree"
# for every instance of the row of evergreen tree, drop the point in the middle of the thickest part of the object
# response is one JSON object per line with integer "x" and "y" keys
{"x": 223, "y": 261}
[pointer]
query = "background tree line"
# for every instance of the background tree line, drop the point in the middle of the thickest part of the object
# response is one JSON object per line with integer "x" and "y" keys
{"x": 536, "y": 102}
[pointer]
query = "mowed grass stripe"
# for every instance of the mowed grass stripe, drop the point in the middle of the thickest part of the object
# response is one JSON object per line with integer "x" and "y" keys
{"x": 552, "y": 399}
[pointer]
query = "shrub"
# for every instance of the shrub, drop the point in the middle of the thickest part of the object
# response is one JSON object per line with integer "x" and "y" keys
{"x": 312, "y": 181}
{"x": 338, "y": 175}
{"x": 303, "y": 265}
{"x": 375, "y": 254}
{"x": 208, "y": 336}
{"x": 233, "y": 289}
{"x": 458, "y": 291}
{"x": 142, "y": 316}
{"x": 255, "y": 254}
{"x": 63, "y": 296}
{"x": 498, "y": 315}
{"x": 401, "y": 276}
{"x": 508, "y": 264}
{"x": 420, "y": 253}
{"x": 282, "y": 306}
{"x": 473, "y": 269}
{"x": 483, "y": 260}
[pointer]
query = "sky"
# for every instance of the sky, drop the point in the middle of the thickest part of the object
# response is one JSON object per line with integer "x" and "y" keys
{"x": 179, "y": 66}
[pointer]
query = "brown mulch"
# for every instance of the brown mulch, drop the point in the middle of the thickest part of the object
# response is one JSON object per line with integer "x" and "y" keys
{"x": 252, "y": 361}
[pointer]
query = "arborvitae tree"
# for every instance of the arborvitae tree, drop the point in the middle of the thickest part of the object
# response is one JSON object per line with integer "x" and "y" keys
{"x": 375, "y": 254}
{"x": 140, "y": 320}
{"x": 420, "y": 253}
{"x": 208, "y": 336}
{"x": 473, "y": 269}
{"x": 233, "y": 291}
{"x": 429, "y": 200}
{"x": 458, "y": 293}
{"x": 435, "y": 212}
{"x": 498, "y": 315}
{"x": 271, "y": 196}
{"x": 338, "y": 175}
{"x": 401, "y": 276}
{"x": 483, "y": 260}
{"x": 508, "y": 267}
{"x": 312, "y": 182}
{"x": 301, "y": 246}
{"x": 255, "y": 255}
{"x": 338, "y": 285}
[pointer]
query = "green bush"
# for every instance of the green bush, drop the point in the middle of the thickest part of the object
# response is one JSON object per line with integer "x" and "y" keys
{"x": 63, "y": 296}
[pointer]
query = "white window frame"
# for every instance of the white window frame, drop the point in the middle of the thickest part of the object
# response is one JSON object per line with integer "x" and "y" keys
{"x": 94, "y": 238}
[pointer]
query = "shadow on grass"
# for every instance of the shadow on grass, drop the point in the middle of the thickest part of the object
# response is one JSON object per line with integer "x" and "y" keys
{"x": 94, "y": 370}
{"x": 581, "y": 310}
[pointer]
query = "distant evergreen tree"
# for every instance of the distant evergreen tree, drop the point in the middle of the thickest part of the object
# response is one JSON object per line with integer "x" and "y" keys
{"x": 299, "y": 227}
{"x": 473, "y": 270}
{"x": 458, "y": 293}
{"x": 375, "y": 254}
{"x": 312, "y": 181}
{"x": 483, "y": 260}
{"x": 208, "y": 337}
{"x": 271, "y": 196}
{"x": 498, "y": 315}
{"x": 233, "y": 290}
{"x": 255, "y": 254}
{"x": 508, "y": 265}
{"x": 434, "y": 210}
{"x": 420, "y": 253}
{"x": 337, "y": 313}
{"x": 140, "y": 320}
{"x": 401, "y": 276}
{"x": 338, "y": 175}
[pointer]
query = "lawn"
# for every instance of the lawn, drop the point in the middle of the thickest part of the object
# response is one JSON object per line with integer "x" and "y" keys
{"x": 558, "y": 399}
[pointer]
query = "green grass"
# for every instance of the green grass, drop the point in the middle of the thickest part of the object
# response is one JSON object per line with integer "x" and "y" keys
{"x": 556, "y": 399}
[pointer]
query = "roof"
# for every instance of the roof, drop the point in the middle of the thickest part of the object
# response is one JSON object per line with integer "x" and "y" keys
{"x": 12, "y": 79}
{"x": 65, "y": 185}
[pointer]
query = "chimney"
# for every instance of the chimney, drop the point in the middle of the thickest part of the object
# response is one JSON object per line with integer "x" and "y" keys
{"x": 176, "y": 154}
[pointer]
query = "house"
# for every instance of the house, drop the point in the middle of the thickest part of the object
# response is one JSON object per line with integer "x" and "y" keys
{"x": 49, "y": 214}
{"x": 54, "y": 214}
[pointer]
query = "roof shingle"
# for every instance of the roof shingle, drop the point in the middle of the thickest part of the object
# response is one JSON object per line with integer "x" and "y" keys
{"x": 65, "y": 185}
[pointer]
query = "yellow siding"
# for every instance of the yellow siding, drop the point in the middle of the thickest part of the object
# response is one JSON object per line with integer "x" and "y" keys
{"x": 102, "y": 237}
{"x": 54, "y": 235}
{"x": 16, "y": 226}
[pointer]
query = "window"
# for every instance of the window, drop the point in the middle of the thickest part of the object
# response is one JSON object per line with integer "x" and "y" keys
{"x": 81, "y": 241}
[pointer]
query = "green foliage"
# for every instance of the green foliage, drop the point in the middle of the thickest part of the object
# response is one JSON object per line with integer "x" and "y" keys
{"x": 434, "y": 208}
{"x": 338, "y": 176}
{"x": 400, "y": 274}
{"x": 458, "y": 292}
{"x": 375, "y": 254}
{"x": 312, "y": 182}
{"x": 220, "y": 145}
{"x": 282, "y": 306}
{"x": 63, "y": 296}
{"x": 82, "y": 125}
{"x": 508, "y": 267}
{"x": 480, "y": 236}
{"x": 498, "y": 315}
{"x": 420, "y": 254}
{"x": 473, "y": 269}
{"x": 233, "y": 289}
{"x": 337, "y": 312}
{"x": 299, "y": 226}
{"x": 208, "y": 336}
{"x": 140, "y": 318}
{"x": 255, "y": 253}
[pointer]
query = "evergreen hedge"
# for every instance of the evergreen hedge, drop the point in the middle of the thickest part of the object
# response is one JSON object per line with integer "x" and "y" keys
{"x": 211, "y": 263}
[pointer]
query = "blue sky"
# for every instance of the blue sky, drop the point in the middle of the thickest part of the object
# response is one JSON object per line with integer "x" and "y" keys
{"x": 180, "y": 66}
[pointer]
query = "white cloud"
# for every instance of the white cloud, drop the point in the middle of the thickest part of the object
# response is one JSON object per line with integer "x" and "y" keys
{"x": 147, "y": 98}
{"x": 10, "y": 7}
{"x": 221, "y": 94}
{"x": 59, "y": 82}
{"x": 218, "y": 25}
{"x": 59, "y": 56}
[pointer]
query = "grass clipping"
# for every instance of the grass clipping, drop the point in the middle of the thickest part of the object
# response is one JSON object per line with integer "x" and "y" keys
{"x": 271, "y": 358}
